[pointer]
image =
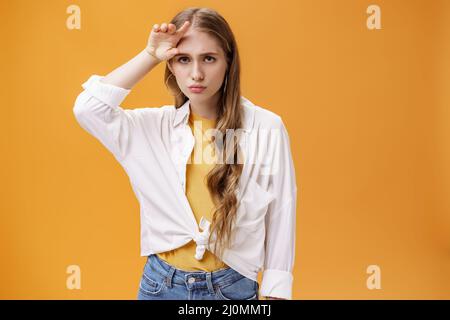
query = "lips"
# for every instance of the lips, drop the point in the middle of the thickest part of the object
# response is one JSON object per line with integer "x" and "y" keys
{"x": 197, "y": 89}
{"x": 200, "y": 87}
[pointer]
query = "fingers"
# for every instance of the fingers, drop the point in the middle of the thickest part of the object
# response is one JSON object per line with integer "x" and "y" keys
{"x": 184, "y": 28}
{"x": 171, "y": 28}
{"x": 172, "y": 52}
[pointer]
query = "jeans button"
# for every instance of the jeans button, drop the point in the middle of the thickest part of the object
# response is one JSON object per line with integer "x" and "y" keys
{"x": 191, "y": 280}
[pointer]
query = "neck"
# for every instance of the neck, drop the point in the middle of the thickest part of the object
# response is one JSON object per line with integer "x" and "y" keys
{"x": 206, "y": 109}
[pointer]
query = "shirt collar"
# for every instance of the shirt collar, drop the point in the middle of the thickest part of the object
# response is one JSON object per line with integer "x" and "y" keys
{"x": 182, "y": 114}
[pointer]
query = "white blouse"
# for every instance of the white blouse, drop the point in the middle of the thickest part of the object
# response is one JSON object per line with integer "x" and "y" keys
{"x": 154, "y": 144}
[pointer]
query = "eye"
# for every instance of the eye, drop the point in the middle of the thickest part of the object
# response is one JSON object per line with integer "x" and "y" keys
{"x": 179, "y": 59}
{"x": 182, "y": 61}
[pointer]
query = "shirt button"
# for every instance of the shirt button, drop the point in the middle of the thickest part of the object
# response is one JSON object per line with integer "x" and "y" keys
{"x": 191, "y": 280}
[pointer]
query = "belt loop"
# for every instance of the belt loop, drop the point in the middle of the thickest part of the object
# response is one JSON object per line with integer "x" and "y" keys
{"x": 169, "y": 276}
{"x": 209, "y": 282}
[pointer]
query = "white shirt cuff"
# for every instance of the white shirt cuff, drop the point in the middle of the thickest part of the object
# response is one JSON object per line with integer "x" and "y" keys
{"x": 277, "y": 284}
{"x": 108, "y": 93}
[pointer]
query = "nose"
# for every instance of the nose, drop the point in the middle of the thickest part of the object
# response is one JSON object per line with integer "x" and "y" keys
{"x": 196, "y": 72}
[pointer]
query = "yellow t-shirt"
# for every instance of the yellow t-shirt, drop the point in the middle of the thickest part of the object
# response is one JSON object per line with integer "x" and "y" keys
{"x": 200, "y": 201}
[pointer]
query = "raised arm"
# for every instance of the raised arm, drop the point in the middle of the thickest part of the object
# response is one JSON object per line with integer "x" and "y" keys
{"x": 97, "y": 109}
{"x": 161, "y": 46}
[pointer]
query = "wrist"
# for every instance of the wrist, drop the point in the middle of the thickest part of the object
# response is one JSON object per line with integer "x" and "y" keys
{"x": 152, "y": 54}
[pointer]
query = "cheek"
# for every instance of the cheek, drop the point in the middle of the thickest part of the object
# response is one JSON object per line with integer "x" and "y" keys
{"x": 180, "y": 75}
{"x": 220, "y": 79}
{"x": 219, "y": 73}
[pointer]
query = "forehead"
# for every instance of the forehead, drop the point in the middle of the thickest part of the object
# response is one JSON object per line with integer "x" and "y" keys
{"x": 197, "y": 42}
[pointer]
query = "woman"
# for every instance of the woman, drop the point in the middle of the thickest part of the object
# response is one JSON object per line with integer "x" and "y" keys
{"x": 217, "y": 205}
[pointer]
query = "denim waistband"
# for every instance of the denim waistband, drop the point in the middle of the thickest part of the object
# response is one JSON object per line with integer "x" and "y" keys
{"x": 220, "y": 277}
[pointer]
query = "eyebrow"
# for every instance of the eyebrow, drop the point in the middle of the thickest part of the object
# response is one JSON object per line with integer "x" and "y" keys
{"x": 203, "y": 54}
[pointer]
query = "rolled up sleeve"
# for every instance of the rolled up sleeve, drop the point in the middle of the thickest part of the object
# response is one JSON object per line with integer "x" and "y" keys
{"x": 97, "y": 110}
{"x": 277, "y": 279}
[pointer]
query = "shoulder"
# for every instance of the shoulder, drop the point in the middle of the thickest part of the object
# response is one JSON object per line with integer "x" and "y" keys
{"x": 264, "y": 123}
{"x": 267, "y": 118}
{"x": 263, "y": 118}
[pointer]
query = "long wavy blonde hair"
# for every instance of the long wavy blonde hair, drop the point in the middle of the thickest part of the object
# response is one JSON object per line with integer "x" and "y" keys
{"x": 223, "y": 179}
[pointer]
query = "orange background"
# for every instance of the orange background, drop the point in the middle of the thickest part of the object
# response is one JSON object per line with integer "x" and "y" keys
{"x": 367, "y": 112}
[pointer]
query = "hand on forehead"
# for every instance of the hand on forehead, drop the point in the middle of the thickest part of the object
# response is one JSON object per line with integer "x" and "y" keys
{"x": 195, "y": 42}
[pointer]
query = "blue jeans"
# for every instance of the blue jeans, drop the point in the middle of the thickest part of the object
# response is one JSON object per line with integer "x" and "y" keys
{"x": 162, "y": 281}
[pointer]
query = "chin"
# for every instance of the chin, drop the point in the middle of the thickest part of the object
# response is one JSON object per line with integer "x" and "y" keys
{"x": 198, "y": 97}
